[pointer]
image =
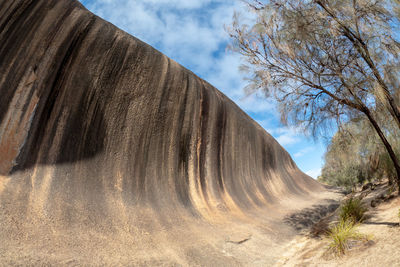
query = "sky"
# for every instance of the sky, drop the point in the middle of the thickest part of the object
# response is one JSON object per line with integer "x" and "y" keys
{"x": 192, "y": 33}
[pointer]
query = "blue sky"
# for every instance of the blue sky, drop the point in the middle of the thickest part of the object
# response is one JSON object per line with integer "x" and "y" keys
{"x": 192, "y": 33}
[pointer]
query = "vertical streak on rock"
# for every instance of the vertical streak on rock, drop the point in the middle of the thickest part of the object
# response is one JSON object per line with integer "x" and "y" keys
{"x": 220, "y": 137}
{"x": 44, "y": 115}
{"x": 13, "y": 34}
{"x": 15, "y": 126}
{"x": 203, "y": 143}
{"x": 184, "y": 149}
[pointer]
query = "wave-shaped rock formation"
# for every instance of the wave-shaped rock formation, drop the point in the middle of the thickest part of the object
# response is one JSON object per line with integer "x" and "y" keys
{"x": 112, "y": 153}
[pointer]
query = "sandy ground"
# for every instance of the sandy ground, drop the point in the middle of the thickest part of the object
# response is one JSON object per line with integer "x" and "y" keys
{"x": 382, "y": 249}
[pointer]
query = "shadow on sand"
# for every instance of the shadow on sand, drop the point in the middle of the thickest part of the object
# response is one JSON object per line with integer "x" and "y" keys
{"x": 305, "y": 218}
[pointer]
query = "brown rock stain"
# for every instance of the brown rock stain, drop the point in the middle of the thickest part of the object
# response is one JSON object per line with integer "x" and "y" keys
{"x": 16, "y": 124}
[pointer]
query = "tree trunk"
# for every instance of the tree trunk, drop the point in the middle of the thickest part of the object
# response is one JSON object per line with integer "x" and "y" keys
{"x": 390, "y": 180}
{"x": 388, "y": 147}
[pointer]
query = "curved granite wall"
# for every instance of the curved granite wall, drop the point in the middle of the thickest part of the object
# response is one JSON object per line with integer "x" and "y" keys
{"x": 98, "y": 130}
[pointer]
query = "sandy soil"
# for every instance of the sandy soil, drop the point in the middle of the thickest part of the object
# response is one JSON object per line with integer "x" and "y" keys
{"x": 382, "y": 227}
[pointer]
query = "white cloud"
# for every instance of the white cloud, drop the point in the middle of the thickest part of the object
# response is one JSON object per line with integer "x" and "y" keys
{"x": 287, "y": 139}
{"x": 286, "y": 135}
{"x": 314, "y": 173}
{"x": 180, "y": 4}
{"x": 303, "y": 151}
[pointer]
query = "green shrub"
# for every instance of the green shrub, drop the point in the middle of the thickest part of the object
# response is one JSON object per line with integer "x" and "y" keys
{"x": 352, "y": 209}
{"x": 346, "y": 176}
{"x": 342, "y": 234}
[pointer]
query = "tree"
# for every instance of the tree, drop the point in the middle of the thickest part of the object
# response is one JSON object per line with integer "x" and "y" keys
{"x": 325, "y": 62}
{"x": 356, "y": 154}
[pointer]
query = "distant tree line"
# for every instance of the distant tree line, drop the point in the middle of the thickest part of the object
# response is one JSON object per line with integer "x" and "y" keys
{"x": 356, "y": 155}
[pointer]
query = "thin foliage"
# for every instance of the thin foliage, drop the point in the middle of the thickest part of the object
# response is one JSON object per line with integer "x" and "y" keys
{"x": 325, "y": 62}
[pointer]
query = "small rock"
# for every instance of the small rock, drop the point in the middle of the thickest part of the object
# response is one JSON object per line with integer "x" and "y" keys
{"x": 366, "y": 186}
{"x": 374, "y": 203}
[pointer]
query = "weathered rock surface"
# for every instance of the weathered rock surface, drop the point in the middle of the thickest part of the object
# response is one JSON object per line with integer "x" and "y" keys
{"x": 112, "y": 153}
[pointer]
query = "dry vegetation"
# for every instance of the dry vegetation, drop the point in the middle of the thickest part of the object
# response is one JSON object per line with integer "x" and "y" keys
{"x": 334, "y": 241}
{"x": 342, "y": 235}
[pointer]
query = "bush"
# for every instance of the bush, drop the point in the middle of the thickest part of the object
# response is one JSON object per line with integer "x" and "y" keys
{"x": 352, "y": 209}
{"x": 342, "y": 234}
{"x": 347, "y": 176}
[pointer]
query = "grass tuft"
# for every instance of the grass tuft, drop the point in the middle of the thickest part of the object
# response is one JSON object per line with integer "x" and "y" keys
{"x": 352, "y": 209}
{"x": 342, "y": 234}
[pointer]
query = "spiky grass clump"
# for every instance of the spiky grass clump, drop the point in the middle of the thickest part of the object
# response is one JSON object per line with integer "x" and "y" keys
{"x": 342, "y": 234}
{"x": 352, "y": 210}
